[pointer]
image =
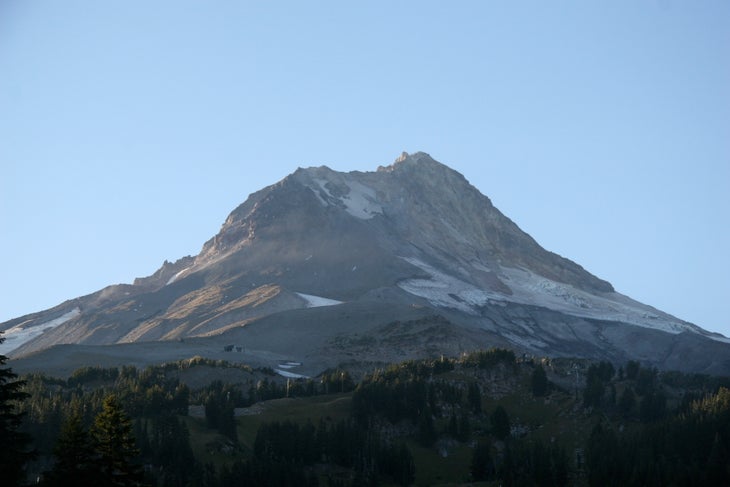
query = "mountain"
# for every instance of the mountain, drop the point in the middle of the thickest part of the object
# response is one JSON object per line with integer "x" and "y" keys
{"x": 325, "y": 268}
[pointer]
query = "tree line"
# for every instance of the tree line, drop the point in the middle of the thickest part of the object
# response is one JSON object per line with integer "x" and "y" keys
{"x": 124, "y": 426}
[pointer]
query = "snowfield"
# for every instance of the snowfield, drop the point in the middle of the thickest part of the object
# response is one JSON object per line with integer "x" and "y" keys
{"x": 20, "y": 334}
{"x": 360, "y": 201}
{"x": 177, "y": 275}
{"x": 444, "y": 290}
{"x": 531, "y": 289}
{"x": 290, "y": 375}
{"x": 318, "y": 301}
{"x": 290, "y": 365}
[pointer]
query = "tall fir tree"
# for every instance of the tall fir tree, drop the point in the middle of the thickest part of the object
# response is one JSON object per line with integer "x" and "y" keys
{"x": 170, "y": 449}
{"x": 500, "y": 423}
{"x": 74, "y": 454}
{"x": 482, "y": 466}
{"x": 15, "y": 450}
{"x": 539, "y": 381}
{"x": 115, "y": 446}
{"x": 474, "y": 396}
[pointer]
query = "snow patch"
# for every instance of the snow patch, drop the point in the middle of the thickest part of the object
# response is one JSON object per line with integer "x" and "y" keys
{"x": 360, "y": 200}
{"x": 290, "y": 365}
{"x": 447, "y": 291}
{"x": 530, "y": 343}
{"x": 20, "y": 334}
{"x": 321, "y": 183}
{"x": 176, "y": 276}
{"x": 290, "y": 375}
{"x": 318, "y": 301}
{"x": 286, "y": 373}
{"x": 530, "y": 288}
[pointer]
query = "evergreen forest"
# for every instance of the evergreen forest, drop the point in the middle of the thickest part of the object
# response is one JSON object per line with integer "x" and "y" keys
{"x": 483, "y": 418}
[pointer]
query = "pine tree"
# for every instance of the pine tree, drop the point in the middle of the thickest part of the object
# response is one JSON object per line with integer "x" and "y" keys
{"x": 627, "y": 402}
{"x": 593, "y": 393}
{"x": 170, "y": 449}
{"x": 14, "y": 445}
{"x": 475, "y": 397}
{"x": 115, "y": 447}
{"x": 539, "y": 381}
{"x": 426, "y": 429}
{"x": 74, "y": 456}
{"x": 482, "y": 467}
{"x": 464, "y": 427}
{"x": 401, "y": 466}
{"x": 453, "y": 428}
{"x": 500, "y": 423}
{"x": 632, "y": 369}
{"x": 716, "y": 469}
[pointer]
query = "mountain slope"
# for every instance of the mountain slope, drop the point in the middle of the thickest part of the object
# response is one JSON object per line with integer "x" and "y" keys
{"x": 375, "y": 254}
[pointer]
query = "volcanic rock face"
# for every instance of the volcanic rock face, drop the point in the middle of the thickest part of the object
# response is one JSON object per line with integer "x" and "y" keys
{"x": 407, "y": 261}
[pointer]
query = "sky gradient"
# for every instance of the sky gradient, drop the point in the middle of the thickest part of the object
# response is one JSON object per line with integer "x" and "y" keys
{"x": 129, "y": 130}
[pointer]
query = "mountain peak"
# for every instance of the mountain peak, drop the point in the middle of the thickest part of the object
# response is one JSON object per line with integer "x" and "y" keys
{"x": 409, "y": 240}
{"x": 406, "y": 159}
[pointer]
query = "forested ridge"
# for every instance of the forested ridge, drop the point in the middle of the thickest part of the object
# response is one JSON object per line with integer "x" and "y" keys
{"x": 487, "y": 417}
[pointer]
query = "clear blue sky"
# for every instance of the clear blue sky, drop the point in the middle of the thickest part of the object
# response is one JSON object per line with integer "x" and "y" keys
{"x": 129, "y": 130}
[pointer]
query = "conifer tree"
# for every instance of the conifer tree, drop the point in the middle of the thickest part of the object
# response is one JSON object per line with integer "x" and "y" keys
{"x": 482, "y": 467}
{"x": 15, "y": 448}
{"x": 115, "y": 447}
{"x": 475, "y": 397}
{"x": 539, "y": 381}
{"x": 426, "y": 429}
{"x": 626, "y": 402}
{"x": 170, "y": 449}
{"x": 716, "y": 469}
{"x": 74, "y": 456}
{"x": 500, "y": 423}
{"x": 464, "y": 427}
{"x": 593, "y": 393}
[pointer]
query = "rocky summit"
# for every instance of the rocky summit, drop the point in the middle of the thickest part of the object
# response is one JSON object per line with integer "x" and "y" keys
{"x": 327, "y": 268}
